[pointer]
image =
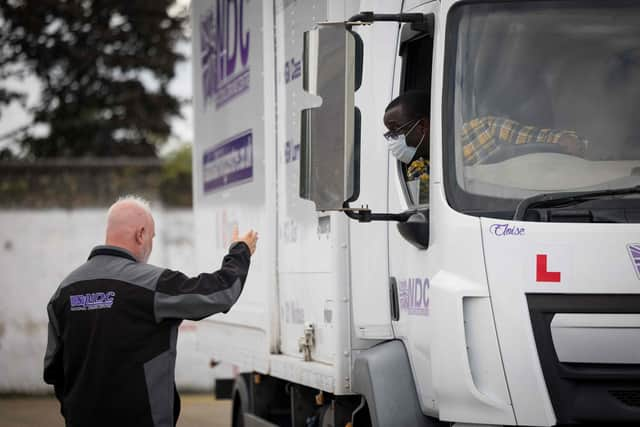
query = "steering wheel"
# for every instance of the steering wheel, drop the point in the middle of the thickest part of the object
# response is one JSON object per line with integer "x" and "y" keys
{"x": 507, "y": 151}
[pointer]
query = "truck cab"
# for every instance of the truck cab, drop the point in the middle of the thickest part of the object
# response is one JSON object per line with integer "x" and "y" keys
{"x": 505, "y": 291}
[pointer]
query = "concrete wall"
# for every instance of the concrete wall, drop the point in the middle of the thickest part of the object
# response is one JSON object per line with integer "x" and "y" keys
{"x": 38, "y": 248}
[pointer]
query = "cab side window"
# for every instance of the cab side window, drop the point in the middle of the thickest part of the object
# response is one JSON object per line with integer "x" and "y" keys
{"x": 417, "y": 54}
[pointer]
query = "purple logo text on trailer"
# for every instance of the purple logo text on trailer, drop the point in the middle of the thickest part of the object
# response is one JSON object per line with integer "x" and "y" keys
{"x": 224, "y": 51}
{"x": 230, "y": 162}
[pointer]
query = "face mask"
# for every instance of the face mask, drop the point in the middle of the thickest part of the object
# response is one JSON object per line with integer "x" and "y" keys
{"x": 400, "y": 150}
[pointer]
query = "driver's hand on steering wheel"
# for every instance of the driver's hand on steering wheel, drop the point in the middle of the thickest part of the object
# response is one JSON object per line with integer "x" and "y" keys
{"x": 573, "y": 144}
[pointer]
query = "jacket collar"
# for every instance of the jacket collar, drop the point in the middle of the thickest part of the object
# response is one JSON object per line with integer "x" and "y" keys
{"x": 112, "y": 251}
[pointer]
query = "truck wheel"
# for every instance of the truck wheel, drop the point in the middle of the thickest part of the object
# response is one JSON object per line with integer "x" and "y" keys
{"x": 238, "y": 415}
{"x": 241, "y": 403}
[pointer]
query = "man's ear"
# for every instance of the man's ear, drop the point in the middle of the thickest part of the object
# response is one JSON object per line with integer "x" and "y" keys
{"x": 423, "y": 124}
{"x": 139, "y": 235}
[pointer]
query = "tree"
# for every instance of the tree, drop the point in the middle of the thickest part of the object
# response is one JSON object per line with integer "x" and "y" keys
{"x": 105, "y": 66}
{"x": 175, "y": 182}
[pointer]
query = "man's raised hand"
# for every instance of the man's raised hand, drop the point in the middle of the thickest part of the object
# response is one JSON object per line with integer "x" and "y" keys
{"x": 250, "y": 238}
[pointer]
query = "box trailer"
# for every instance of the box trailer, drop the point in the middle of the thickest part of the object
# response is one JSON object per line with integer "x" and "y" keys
{"x": 509, "y": 295}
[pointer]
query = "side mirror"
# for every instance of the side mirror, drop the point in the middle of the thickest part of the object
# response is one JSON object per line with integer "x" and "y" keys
{"x": 415, "y": 230}
{"x": 329, "y": 141}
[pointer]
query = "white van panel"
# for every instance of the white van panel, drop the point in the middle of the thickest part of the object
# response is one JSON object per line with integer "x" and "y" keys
{"x": 233, "y": 174}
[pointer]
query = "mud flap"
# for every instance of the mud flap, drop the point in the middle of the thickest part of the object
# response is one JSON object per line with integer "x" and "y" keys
{"x": 382, "y": 374}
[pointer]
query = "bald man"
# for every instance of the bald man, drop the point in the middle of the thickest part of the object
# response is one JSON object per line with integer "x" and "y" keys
{"x": 113, "y": 324}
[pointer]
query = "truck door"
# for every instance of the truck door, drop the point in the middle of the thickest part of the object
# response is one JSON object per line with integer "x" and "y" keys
{"x": 410, "y": 262}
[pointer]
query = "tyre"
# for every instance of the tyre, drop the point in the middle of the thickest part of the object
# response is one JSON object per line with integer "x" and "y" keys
{"x": 241, "y": 401}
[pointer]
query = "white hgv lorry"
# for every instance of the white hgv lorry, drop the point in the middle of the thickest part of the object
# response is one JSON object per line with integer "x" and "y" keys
{"x": 505, "y": 291}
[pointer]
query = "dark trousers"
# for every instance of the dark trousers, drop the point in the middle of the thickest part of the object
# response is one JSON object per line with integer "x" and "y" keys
{"x": 176, "y": 405}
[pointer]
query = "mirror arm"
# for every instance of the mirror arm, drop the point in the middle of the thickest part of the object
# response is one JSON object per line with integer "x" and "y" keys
{"x": 365, "y": 214}
{"x": 370, "y": 17}
{"x": 419, "y": 22}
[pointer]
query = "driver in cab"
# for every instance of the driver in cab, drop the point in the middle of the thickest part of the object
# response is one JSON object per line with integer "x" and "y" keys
{"x": 407, "y": 122}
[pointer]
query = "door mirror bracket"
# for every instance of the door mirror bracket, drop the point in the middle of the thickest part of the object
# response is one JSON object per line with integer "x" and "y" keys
{"x": 364, "y": 214}
{"x": 413, "y": 225}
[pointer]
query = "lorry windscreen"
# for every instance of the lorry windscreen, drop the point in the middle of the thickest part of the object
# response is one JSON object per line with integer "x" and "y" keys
{"x": 540, "y": 97}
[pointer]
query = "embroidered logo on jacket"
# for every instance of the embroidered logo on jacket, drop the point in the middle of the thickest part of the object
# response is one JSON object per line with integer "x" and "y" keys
{"x": 92, "y": 301}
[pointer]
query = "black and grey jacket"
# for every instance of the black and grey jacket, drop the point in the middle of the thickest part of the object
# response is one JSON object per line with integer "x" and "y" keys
{"x": 113, "y": 326}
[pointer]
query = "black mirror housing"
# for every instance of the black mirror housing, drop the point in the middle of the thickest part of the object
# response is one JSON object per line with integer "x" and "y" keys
{"x": 416, "y": 229}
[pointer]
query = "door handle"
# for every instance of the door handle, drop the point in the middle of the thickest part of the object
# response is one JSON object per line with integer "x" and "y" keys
{"x": 393, "y": 299}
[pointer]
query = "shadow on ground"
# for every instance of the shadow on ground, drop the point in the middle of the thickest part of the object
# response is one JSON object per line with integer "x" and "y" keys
{"x": 198, "y": 410}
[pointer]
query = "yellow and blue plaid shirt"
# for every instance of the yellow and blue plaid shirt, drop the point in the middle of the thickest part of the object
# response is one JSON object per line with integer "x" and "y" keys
{"x": 419, "y": 169}
{"x": 482, "y": 136}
